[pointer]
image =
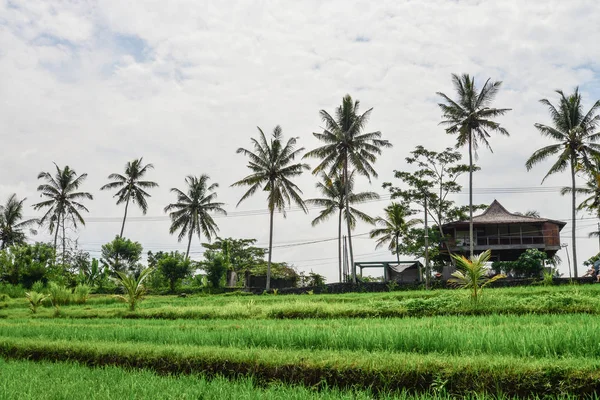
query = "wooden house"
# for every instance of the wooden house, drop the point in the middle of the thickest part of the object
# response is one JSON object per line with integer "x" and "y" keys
{"x": 507, "y": 234}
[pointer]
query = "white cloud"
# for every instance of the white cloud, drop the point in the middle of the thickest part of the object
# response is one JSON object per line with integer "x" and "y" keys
{"x": 94, "y": 84}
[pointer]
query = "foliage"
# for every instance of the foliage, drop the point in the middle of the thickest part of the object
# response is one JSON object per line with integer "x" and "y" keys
{"x": 575, "y": 133}
{"x": 215, "y": 266}
{"x": 243, "y": 255}
{"x": 81, "y": 293}
{"x": 192, "y": 212}
{"x": 346, "y": 147}
{"x": 59, "y": 295}
{"x": 131, "y": 187}
{"x": 132, "y": 286}
{"x": 530, "y": 264}
{"x": 334, "y": 193}
{"x": 63, "y": 201}
{"x": 12, "y": 224}
{"x": 174, "y": 267}
{"x": 93, "y": 275}
{"x": 393, "y": 226}
{"x": 310, "y": 279}
{"x": 272, "y": 168}
{"x": 35, "y": 299}
{"x": 24, "y": 264}
{"x": 472, "y": 273}
{"x": 121, "y": 255}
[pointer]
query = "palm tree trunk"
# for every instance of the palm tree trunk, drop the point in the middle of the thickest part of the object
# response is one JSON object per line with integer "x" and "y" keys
{"x": 340, "y": 244}
{"x": 426, "y": 248}
{"x": 573, "y": 216}
{"x": 272, "y": 209}
{"x": 470, "y": 193}
{"x": 187, "y": 252}
{"x": 56, "y": 237}
{"x": 397, "y": 252}
{"x": 124, "y": 217}
{"x": 63, "y": 241}
{"x": 346, "y": 192}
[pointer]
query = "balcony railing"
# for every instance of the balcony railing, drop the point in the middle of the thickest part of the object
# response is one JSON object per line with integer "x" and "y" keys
{"x": 500, "y": 241}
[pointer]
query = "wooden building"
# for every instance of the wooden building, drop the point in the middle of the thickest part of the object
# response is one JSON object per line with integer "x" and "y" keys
{"x": 507, "y": 234}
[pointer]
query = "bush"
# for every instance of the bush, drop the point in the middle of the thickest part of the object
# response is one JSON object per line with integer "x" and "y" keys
{"x": 35, "y": 300}
{"x": 38, "y": 286}
{"x": 59, "y": 295}
{"x": 13, "y": 291}
{"x": 81, "y": 293}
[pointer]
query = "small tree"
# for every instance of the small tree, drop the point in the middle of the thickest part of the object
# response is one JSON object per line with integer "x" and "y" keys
{"x": 174, "y": 267}
{"x": 472, "y": 274}
{"x": 133, "y": 287}
{"x": 121, "y": 255}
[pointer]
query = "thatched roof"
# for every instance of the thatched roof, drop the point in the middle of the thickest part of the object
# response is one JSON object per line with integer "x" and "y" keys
{"x": 497, "y": 214}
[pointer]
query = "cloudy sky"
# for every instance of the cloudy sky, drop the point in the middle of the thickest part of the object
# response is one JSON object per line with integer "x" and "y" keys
{"x": 93, "y": 84}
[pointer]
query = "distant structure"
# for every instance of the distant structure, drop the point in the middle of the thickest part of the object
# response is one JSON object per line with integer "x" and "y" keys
{"x": 403, "y": 271}
{"x": 506, "y": 234}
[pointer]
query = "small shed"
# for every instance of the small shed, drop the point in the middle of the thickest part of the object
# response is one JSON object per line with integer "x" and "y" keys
{"x": 398, "y": 271}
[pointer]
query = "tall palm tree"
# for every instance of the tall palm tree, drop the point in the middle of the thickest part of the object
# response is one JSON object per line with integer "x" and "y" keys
{"x": 393, "y": 226}
{"x": 63, "y": 201}
{"x": 272, "y": 171}
{"x": 470, "y": 117}
{"x": 131, "y": 187}
{"x": 192, "y": 212}
{"x": 334, "y": 200}
{"x": 11, "y": 224}
{"x": 346, "y": 147}
{"x": 574, "y": 131}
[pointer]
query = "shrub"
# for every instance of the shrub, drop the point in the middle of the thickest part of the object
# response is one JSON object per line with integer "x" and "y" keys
{"x": 81, "y": 293}
{"x": 59, "y": 294}
{"x": 13, "y": 291}
{"x": 38, "y": 286}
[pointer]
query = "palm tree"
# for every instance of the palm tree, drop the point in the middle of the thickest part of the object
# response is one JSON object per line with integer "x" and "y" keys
{"x": 472, "y": 273}
{"x": 592, "y": 190}
{"x": 131, "y": 188}
{"x": 470, "y": 117}
{"x": 11, "y": 224}
{"x": 574, "y": 131}
{"x": 346, "y": 146}
{"x": 393, "y": 226}
{"x": 63, "y": 201}
{"x": 334, "y": 192}
{"x": 191, "y": 214}
{"x": 272, "y": 170}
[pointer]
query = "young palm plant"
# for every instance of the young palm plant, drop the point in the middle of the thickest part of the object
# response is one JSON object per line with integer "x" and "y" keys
{"x": 191, "y": 214}
{"x": 35, "y": 300}
{"x": 470, "y": 117}
{"x": 575, "y": 132}
{"x": 272, "y": 168}
{"x": 333, "y": 191}
{"x": 472, "y": 274}
{"x": 63, "y": 201}
{"x": 12, "y": 224}
{"x": 131, "y": 187}
{"x": 393, "y": 226}
{"x": 348, "y": 147}
{"x": 133, "y": 287}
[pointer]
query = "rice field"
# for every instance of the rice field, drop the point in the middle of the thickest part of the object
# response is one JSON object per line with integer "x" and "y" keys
{"x": 534, "y": 341}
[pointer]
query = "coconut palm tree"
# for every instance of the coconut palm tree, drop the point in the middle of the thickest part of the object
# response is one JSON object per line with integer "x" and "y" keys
{"x": 272, "y": 168}
{"x": 192, "y": 212}
{"x": 11, "y": 224}
{"x": 63, "y": 201}
{"x": 131, "y": 187}
{"x": 472, "y": 273}
{"x": 576, "y": 137}
{"x": 592, "y": 190}
{"x": 471, "y": 118}
{"x": 348, "y": 147}
{"x": 393, "y": 226}
{"x": 334, "y": 200}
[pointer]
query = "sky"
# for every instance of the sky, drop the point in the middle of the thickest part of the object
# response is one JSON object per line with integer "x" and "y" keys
{"x": 184, "y": 83}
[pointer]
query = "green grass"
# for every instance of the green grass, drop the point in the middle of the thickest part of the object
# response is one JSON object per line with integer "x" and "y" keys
{"x": 519, "y": 336}
{"x": 516, "y": 301}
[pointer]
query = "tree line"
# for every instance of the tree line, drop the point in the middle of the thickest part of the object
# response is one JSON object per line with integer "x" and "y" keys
{"x": 347, "y": 151}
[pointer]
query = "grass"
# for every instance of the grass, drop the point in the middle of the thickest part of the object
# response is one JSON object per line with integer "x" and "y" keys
{"x": 526, "y": 341}
{"x": 519, "y": 336}
{"x": 515, "y": 301}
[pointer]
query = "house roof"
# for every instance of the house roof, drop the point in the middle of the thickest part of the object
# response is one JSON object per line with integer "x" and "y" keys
{"x": 497, "y": 214}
